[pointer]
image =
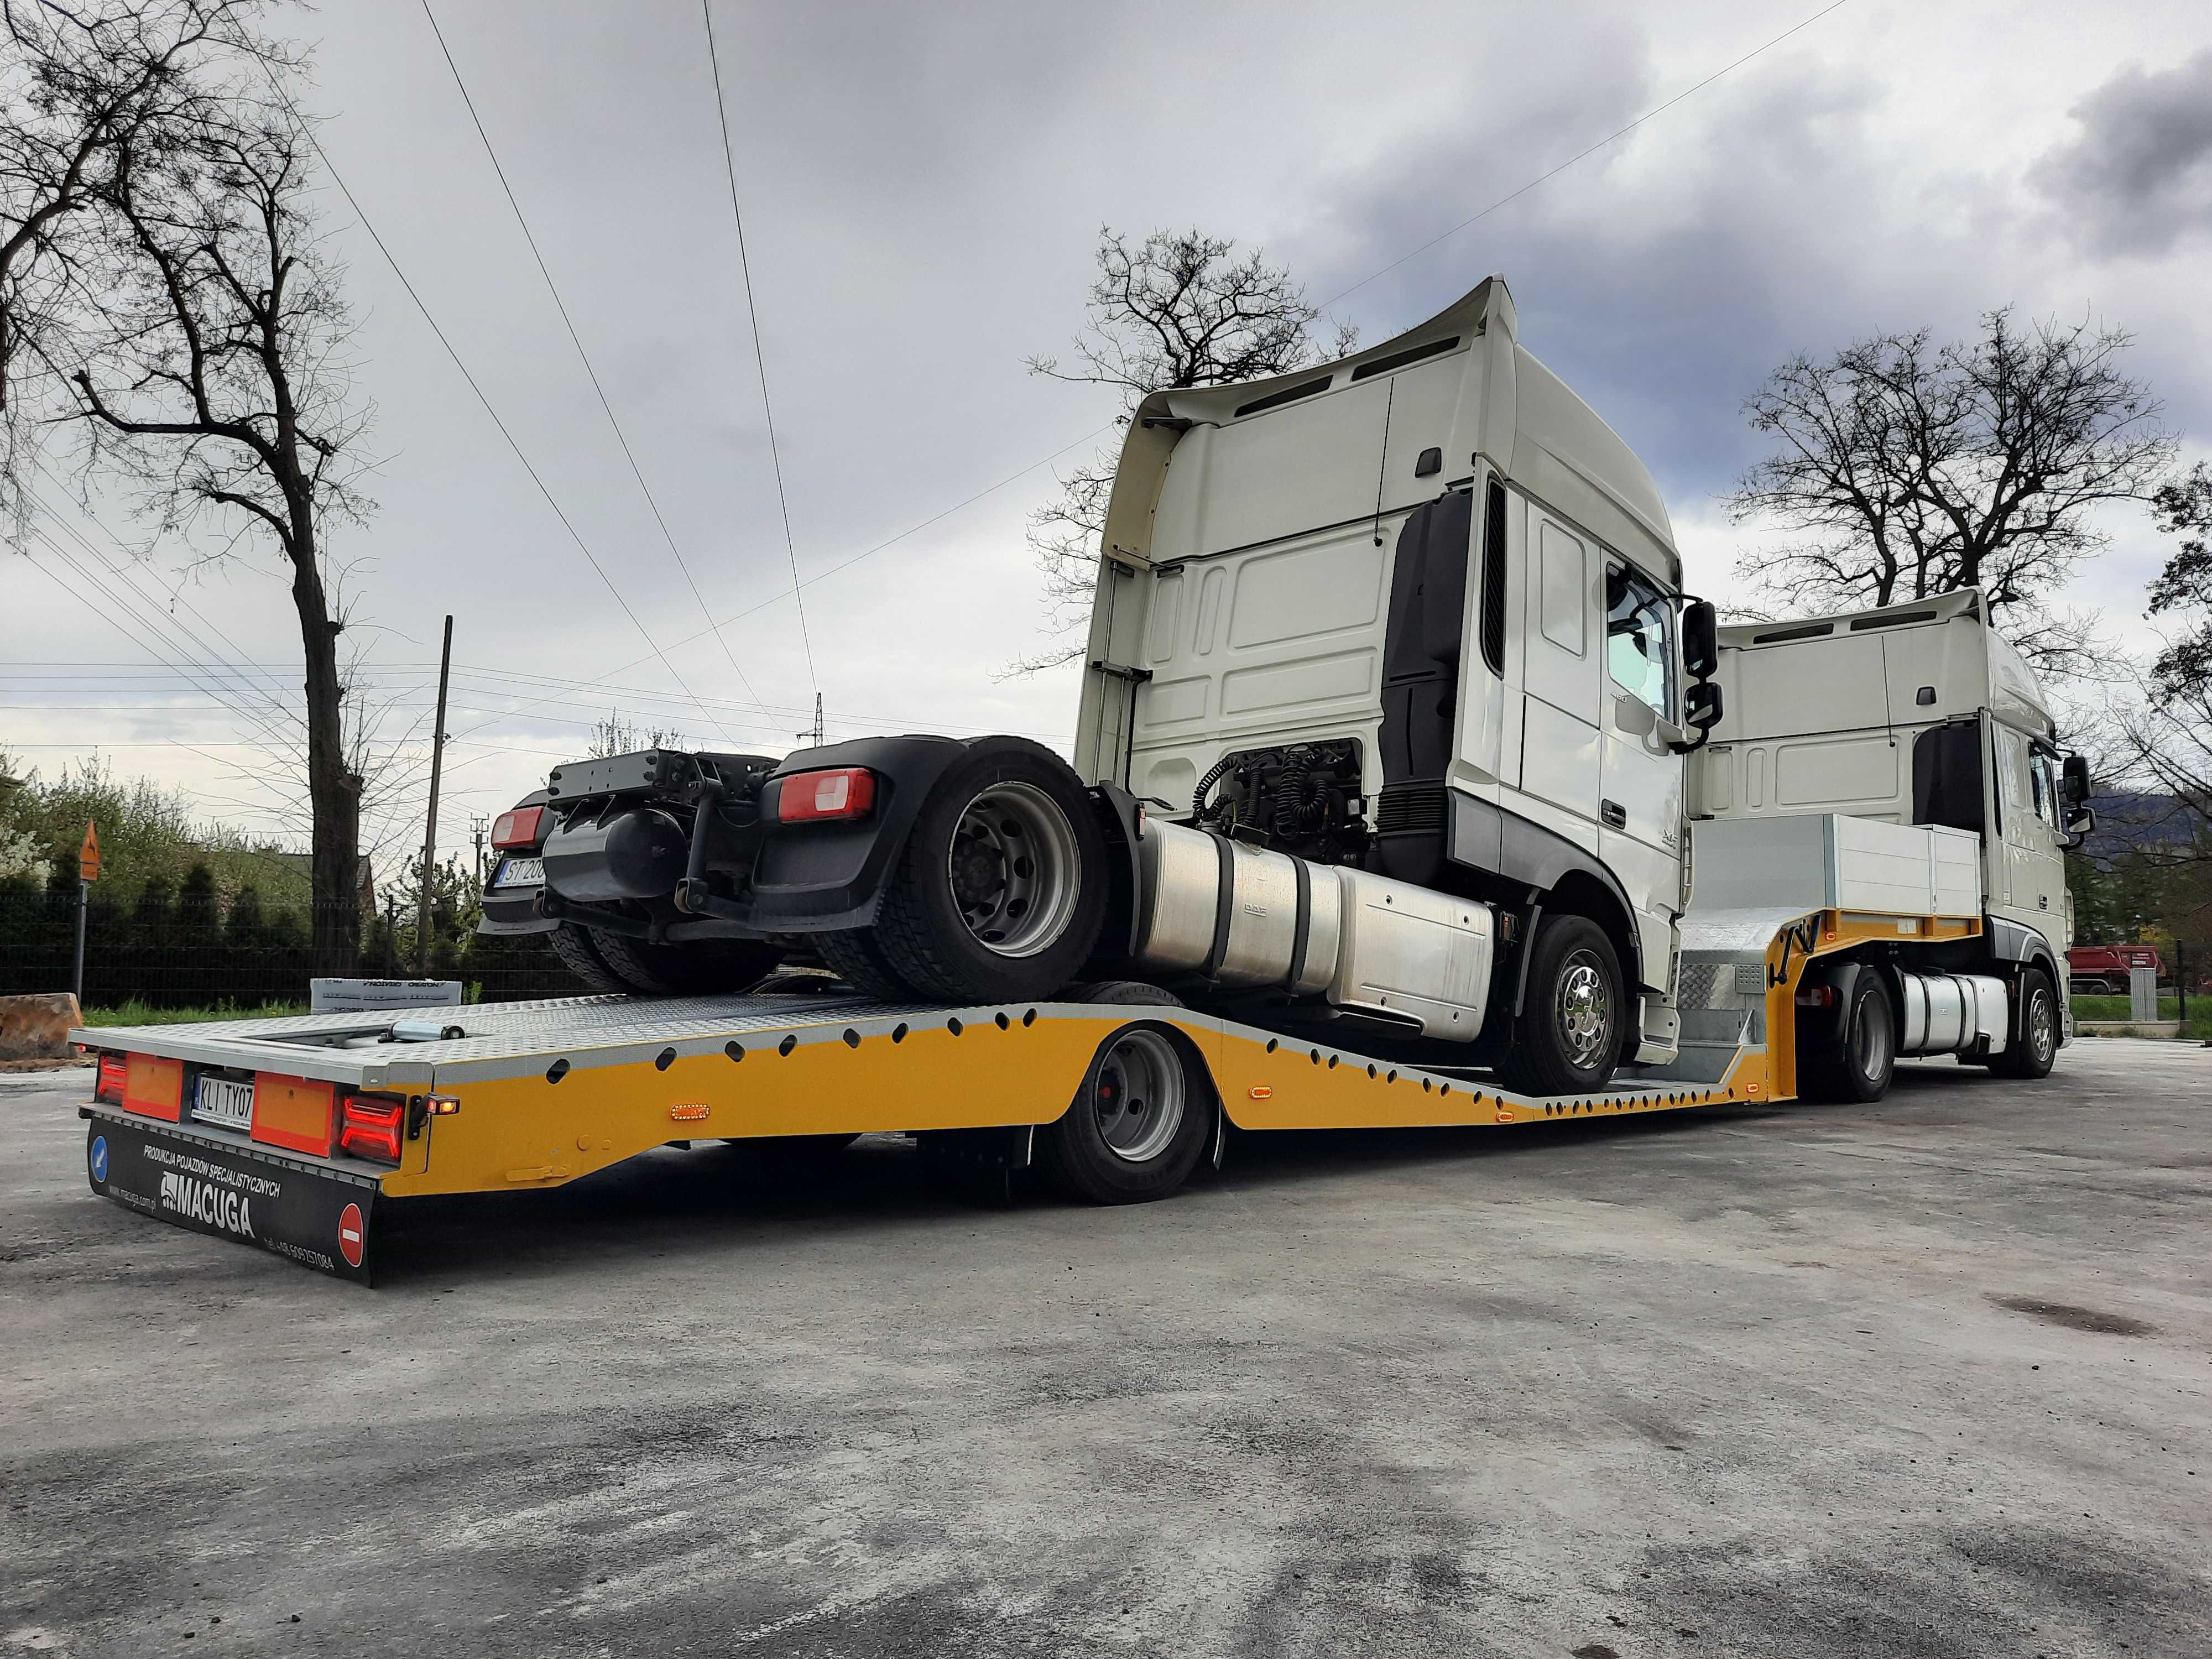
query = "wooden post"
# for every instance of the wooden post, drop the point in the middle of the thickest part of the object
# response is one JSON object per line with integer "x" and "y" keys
{"x": 430, "y": 829}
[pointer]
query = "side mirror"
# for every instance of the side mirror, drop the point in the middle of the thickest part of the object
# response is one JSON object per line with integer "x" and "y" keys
{"x": 2074, "y": 778}
{"x": 1701, "y": 645}
{"x": 1701, "y": 713}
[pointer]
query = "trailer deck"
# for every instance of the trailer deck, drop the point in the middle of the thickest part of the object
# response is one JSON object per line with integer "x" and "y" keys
{"x": 537, "y": 1094}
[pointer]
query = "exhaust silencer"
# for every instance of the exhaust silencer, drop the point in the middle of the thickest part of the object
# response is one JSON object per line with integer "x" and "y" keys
{"x": 637, "y": 854}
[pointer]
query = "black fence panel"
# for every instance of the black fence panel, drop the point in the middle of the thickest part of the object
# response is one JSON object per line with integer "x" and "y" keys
{"x": 192, "y": 950}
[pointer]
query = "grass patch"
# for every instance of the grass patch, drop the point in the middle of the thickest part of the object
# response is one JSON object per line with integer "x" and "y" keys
{"x": 140, "y": 1013}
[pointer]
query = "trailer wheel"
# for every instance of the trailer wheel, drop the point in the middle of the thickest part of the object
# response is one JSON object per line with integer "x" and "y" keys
{"x": 1001, "y": 890}
{"x": 1860, "y": 1066}
{"x": 573, "y": 945}
{"x": 708, "y": 968}
{"x": 1568, "y": 1038}
{"x": 2032, "y": 1044}
{"x": 1137, "y": 1126}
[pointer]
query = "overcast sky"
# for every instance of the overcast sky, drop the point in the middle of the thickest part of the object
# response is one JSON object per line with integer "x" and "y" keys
{"x": 922, "y": 189}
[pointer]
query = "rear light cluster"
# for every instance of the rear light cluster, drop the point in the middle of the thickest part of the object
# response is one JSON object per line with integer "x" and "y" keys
{"x": 517, "y": 829}
{"x": 114, "y": 1070}
{"x": 370, "y": 1126}
{"x": 842, "y": 792}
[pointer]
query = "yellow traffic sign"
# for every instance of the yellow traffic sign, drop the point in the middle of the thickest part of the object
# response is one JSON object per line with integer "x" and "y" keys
{"x": 87, "y": 857}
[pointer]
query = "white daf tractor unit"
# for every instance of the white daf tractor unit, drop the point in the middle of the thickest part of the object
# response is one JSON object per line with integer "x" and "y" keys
{"x": 1397, "y": 727}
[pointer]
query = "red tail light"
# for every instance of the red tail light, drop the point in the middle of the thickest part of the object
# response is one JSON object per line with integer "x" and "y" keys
{"x": 114, "y": 1069}
{"x": 843, "y": 792}
{"x": 369, "y": 1126}
{"x": 517, "y": 829}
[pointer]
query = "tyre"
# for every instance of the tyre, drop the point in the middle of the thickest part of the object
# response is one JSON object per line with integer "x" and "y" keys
{"x": 1574, "y": 1016}
{"x": 2032, "y": 1045}
{"x": 1000, "y": 891}
{"x": 1123, "y": 993}
{"x": 709, "y": 967}
{"x": 854, "y": 958}
{"x": 1137, "y": 1126}
{"x": 574, "y": 946}
{"x": 1860, "y": 1066}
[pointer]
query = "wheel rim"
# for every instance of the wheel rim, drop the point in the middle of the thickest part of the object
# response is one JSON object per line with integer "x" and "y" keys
{"x": 1583, "y": 1010}
{"x": 1014, "y": 870}
{"x": 1136, "y": 1095}
{"x": 2042, "y": 1027}
{"x": 1869, "y": 1040}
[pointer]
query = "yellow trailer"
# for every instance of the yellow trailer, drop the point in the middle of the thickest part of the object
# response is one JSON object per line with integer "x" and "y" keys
{"x": 294, "y": 1134}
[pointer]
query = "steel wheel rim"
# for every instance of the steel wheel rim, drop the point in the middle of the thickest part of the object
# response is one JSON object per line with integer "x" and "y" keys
{"x": 1136, "y": 1096}
{"x": 1865, "y": 1053}
{"x": 2042, "y": 1027}
{"x": 1014, "y": 870}
{"x": 1583, "y": 1010}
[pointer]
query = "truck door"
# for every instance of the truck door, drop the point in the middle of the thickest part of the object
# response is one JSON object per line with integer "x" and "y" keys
{"x": 1561, "y": 623}
{"x": 1640, "y": 807}
{"x": 2035, "y": 869}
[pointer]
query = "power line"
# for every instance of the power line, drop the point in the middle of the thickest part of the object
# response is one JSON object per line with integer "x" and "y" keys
{"x": 760, "y": 359}
{"x": 338, "y": 179}
{"x": 568, "y": 323}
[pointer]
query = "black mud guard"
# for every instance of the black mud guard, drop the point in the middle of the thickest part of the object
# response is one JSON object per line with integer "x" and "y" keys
{"x": 1845, "y": 976}
{"x": 827, "y": 877}
{"x": 312, "y": 1214}
{"x": 515, "y": 909}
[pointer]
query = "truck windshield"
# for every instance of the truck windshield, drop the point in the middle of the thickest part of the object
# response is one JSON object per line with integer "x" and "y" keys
{"x": 1640, "y": 639}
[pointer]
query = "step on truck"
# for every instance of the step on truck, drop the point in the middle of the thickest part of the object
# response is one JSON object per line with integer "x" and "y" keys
{"x": 1409, "y": 787}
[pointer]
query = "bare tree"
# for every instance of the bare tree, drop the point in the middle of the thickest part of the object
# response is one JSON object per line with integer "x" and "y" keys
{"x": 617, "y": 736}
{"x": 197, "y": 354}
{"x": 1903, "y": 470}
{"x": 1179, "y": 309}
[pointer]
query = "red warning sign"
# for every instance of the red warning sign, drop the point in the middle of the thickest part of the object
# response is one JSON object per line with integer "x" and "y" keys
{"x": 352, "y": 1234}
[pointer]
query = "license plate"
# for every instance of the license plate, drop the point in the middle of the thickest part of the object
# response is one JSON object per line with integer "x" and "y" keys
{"x": 220, "y": 1100}
{"x": 520, "y": 872}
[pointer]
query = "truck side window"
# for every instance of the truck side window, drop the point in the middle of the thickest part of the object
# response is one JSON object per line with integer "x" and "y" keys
{"x": 1640, "y": 639}
{"x": 2012, "y": 777}
{"x": 2039, "y": 766}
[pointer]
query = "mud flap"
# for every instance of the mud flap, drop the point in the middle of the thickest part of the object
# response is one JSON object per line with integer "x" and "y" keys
{"x": 318, "y": 1217}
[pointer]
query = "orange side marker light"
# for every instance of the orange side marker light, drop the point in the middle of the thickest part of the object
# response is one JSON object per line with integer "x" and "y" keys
{"x": 694, "y": 1112}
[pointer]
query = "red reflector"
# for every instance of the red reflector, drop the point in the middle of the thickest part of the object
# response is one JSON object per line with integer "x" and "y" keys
{"x": 114, "y": 1069}
{"x": 517, "y": 829}
{"x": 369, "y": 1126}
{"x": 1817, "y": 996}
{"x": 844, "y": 792}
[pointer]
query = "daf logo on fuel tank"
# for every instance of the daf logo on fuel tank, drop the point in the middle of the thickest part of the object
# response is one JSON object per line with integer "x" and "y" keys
{"x": 204, "y": 1202}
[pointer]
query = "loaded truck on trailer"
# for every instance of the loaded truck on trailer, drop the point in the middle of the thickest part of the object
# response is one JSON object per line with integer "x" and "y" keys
{"x": 1402, "y": 759}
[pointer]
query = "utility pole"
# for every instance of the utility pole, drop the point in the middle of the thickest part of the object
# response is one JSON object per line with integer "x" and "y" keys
{"x": 430, "y": 830}
{"x": 88, "y": 872}
{"x": 476, "y": 828}
{"x": 815, "y": 730}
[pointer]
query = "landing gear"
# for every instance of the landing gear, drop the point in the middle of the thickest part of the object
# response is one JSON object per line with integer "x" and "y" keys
{"x": 1568, "y": 1039}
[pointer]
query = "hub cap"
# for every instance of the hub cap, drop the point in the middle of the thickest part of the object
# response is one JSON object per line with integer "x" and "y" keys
{"x": 1583, "y": 1010}
{"x": 1136, "y": 1096}
{"x": 2042, "y": 1027}
{"x": 1013, "y": 869}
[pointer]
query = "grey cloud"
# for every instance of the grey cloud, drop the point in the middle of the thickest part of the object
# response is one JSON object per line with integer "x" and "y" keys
{"x": 2139, "y": 176}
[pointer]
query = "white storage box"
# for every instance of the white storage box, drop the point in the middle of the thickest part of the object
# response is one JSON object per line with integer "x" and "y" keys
{"x": 1827, "y": 861}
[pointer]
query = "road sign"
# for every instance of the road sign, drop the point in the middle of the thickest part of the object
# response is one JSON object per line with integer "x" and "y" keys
{"x": 87, "y": 858}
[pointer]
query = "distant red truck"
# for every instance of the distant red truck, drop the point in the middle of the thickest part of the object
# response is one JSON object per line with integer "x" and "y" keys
{"x": 2103, "y": 968}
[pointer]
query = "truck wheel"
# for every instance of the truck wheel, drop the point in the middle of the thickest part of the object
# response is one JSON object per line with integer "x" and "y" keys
{"x": 709, "y": 967}
{"x": 1001, "y": 890}
{"x": 1860, "y": 1067}
{"x": 854, "y": 958}
{"x": 1138, "y": 1124}
{"x": 574, "y": 946}
{"x": 1569, "y": 1036}
{"x": 2033, "y": 1043}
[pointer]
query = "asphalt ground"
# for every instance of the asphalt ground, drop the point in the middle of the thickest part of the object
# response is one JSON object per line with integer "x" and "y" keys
{"x": 1931, "y": 1377}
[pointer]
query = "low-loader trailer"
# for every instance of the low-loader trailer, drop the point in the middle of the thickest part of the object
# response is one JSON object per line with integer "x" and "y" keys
{"x": 1409, "y": 788}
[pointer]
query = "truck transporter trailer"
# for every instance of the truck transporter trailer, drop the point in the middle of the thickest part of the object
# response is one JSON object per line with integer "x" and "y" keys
{"x": 1409, "y": 788}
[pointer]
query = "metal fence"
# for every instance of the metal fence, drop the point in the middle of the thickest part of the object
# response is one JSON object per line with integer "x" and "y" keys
{"x": 196, "y": 950}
